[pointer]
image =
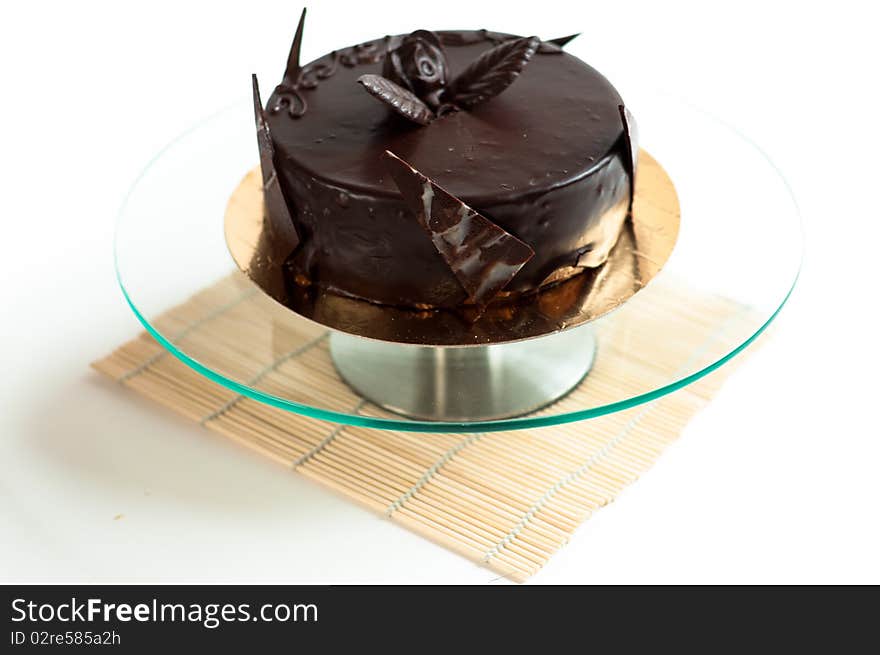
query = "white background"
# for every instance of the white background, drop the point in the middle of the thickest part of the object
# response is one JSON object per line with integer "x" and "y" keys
{"x": 777, "y": 481}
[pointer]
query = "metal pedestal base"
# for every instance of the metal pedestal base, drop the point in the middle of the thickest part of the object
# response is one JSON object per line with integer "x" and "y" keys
{"x": 473, "y": 383}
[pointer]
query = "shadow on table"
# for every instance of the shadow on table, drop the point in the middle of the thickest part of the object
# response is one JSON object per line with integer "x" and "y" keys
{"x": 102, "y": 437}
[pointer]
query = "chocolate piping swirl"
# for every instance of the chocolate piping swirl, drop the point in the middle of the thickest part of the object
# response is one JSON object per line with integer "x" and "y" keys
{"x": 288, "y": 95}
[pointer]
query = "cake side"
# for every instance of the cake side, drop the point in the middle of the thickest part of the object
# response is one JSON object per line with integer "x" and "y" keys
{"x": 373, "y": 247}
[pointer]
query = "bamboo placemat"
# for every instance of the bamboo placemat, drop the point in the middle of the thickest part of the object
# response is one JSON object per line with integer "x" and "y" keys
{"x": 508, "y": 500}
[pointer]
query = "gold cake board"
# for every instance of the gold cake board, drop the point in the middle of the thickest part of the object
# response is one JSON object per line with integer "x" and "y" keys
{"x": 506, "y": 500}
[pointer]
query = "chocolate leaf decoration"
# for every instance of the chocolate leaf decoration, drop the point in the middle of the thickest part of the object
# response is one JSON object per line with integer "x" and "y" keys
{"x": 631, "y": 145}
{"x": 483, "y": 257}
{"x": 493, "y": 71}
{"x": 277, "y": 213}
{"x": 293, "y": 67}
{"x": 399, "y": 99}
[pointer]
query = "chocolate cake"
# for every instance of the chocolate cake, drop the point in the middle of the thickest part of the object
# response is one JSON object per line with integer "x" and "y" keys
{"x": 441, "y": 169}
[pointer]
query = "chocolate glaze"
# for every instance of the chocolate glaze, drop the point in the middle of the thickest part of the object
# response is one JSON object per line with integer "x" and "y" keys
{"x": 546, "y": 160}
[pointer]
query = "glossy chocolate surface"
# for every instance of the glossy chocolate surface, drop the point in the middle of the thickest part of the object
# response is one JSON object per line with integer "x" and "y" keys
{"x": 546, "y": 160}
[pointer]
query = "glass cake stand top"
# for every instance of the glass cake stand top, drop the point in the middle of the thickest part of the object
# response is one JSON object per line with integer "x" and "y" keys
{"x": 734, "y": 266}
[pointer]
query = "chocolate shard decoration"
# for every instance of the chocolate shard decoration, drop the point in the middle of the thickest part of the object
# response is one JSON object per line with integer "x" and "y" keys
{"x": 554, "y": 46}
{"x": 483, "y": 257}
{"x": 399, "y": 99}
{"x": 493, "y": 71}
{"x": 291, "y": 73}
{"x": 563, "y": 41}
{"x": 277, "y": 213}
{"x": 631, "y": 143}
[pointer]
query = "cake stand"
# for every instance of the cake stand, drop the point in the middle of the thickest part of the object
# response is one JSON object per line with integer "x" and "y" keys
{"x": 738, "y": 243}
